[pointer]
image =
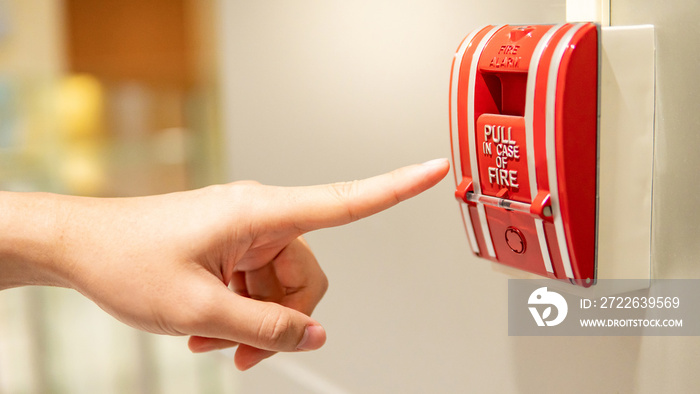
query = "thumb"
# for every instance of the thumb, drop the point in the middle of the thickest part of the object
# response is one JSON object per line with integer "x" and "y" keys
{"x": 264, "y": 325}
{"x": 314, "y": 207}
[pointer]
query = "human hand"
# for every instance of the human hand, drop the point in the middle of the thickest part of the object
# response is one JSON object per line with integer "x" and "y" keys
{"x": 164, "y": 264}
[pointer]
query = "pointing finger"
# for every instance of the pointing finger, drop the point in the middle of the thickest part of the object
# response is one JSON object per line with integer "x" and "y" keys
{"x": 314, "y": 207}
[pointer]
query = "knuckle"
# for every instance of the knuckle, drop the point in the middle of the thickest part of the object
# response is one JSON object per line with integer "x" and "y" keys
{"x": 275, "y": 330}
{"x": 344, "y": 190}
{"x": 345, "y": 193}
{"x": 323, "y": 284}
{"x": 242, "y": 189}
{"x": 243, "y": 196}
{"x": 234, "y": 189}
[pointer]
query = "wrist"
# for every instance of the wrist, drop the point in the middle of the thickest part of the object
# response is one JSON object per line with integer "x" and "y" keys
{"x": 30, "y": 240}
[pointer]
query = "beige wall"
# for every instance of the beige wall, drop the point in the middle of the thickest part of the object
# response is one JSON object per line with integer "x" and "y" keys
{"x": 320, "y": 91}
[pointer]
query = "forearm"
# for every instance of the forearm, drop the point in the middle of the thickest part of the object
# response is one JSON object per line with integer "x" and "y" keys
{"x": 163, "y": 264}
{"x": 30, "y": 239}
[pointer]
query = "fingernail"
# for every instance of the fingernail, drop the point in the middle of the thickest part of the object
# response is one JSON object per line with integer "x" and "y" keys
{"x": 314, "y": 337}
{"x": 435, "y": 162}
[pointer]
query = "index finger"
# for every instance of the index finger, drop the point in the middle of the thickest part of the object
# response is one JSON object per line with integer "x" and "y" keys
{"x": 314, "y": 207}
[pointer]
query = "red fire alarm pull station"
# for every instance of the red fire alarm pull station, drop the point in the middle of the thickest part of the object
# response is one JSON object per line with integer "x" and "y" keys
{"x": 524, "y": 129}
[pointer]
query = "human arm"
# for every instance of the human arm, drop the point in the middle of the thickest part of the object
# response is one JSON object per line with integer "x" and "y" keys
{"x": 163, "y": 264}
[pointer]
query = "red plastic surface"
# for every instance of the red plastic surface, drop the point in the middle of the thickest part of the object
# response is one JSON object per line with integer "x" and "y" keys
{"x": 558, "y": 230}
{"x": 502, "y": 156}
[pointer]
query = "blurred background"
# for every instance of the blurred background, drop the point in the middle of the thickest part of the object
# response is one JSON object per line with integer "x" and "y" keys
{"x": 133, "y": 97}
{"x": 104, "y": 98}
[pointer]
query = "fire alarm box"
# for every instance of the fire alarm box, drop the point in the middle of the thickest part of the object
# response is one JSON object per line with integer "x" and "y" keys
{"x": 552, "y": 144}
{"x": 524, "y": 124}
